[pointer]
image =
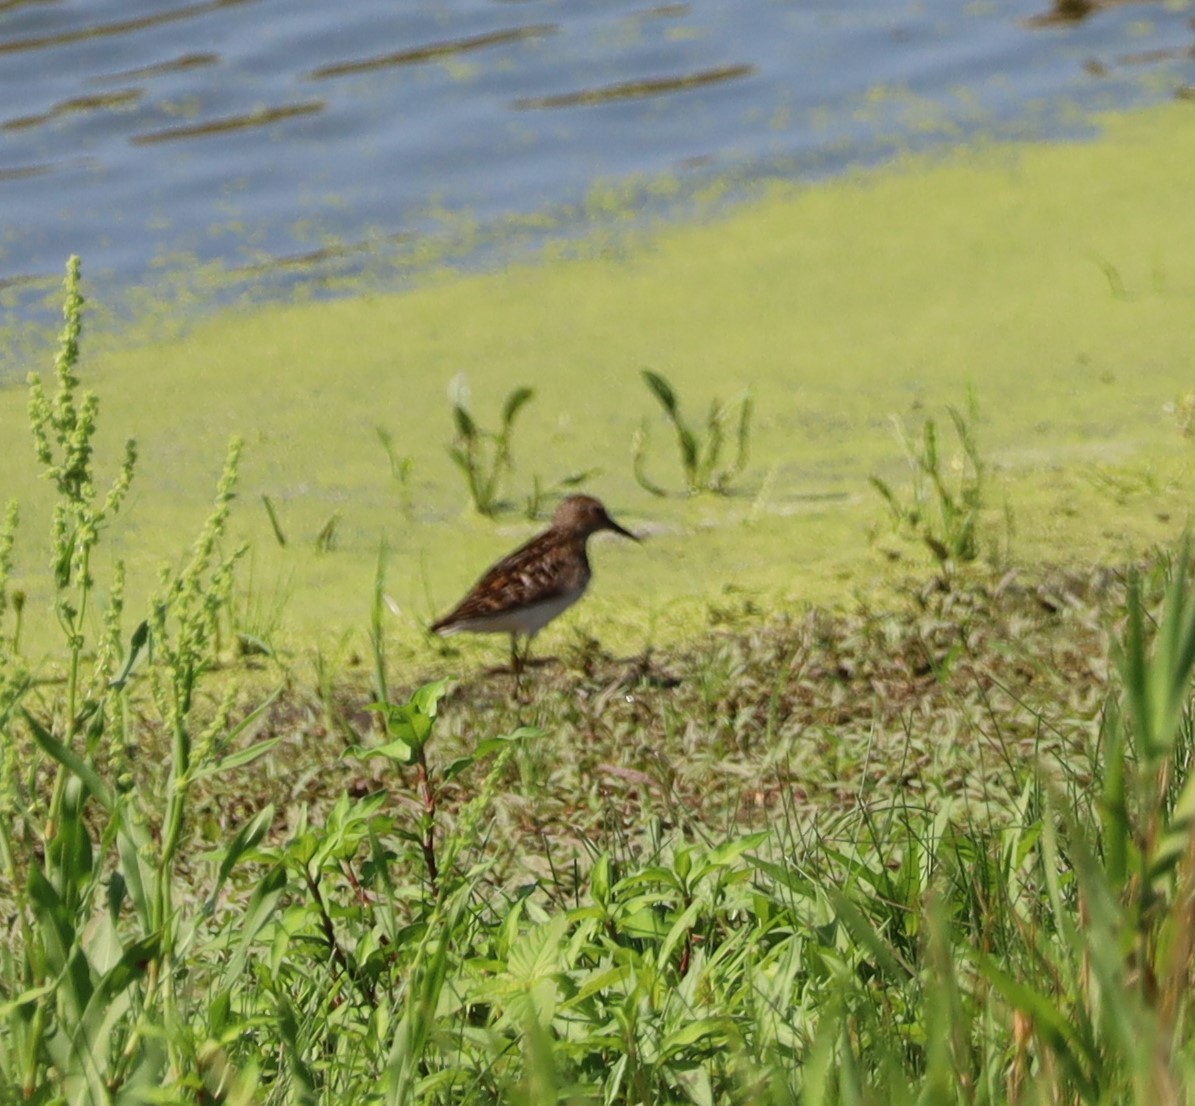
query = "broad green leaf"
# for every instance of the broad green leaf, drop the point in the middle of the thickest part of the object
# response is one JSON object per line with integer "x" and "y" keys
{"x": 399, "y": 751}
{"x": 536, "y": 954}
{"x": 427, "y": 698}
{"x": 716, "y": 1030}
{"x": 515, "y": 402}
{"x": 730, "y": 850}
{"x": 456, "y": 767}
{"x": 656, "y": 876}
{"x": 678, "y": 930}
{"x": 465, "y": 426}
{"x": 244, "y": 839}
{"x": 238, "y": 759}
{"x": 662, "y": 391}
{"x": 70, "y": 853}
{"x": 785, "y": 877}
{"x": 644, "y": 922}
{"x": 596, "y": 982}
{"x": 60, "y": 941}
{"x": 695, "y": 1079}
{"x": 129, "y": 843}
{"x": 262, "y": 904}
{"x": 219, "y": 1012}
{"x": 70, "y": 760}
{"x": 109, "y": 1002}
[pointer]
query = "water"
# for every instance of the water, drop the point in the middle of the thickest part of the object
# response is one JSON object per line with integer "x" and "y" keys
{"x": 294, "y": 142}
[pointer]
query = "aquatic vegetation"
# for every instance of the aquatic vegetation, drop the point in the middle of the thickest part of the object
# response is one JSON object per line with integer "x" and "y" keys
{"x": 275, "y": 521}
{"x": 325, "y": 540}
{"x": 486, "y": 461}
{"x": 484, "y": 457}
{"x": 944, "y": 505}
{"x": 401, "y": 467}
{"x": 700, "y": 460}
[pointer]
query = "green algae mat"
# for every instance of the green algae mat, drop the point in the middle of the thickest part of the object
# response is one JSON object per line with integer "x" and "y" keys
{"x": 1053, "y": 284}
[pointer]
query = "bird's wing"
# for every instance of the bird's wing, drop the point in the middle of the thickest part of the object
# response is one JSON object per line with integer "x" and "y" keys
{"x": 532, "y": 573}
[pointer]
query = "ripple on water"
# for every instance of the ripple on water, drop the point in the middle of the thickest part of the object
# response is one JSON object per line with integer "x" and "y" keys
{"x": 321, "y": 139}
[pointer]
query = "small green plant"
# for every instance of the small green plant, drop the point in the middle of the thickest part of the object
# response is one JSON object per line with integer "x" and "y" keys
{"x": 257, "y": 609}
{"x": 944, "y": 505}
{"x": 701, "y": 462}
{"x": 401, "y": 467}
{"x": 483, "y": 456}
{"x": 407, "y": 729}
{"x": 325, "y": 540}
{"x": 542, "y": 493}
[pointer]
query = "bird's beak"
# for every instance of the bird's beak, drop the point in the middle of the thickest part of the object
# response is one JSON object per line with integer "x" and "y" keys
{"x": 612, "y": 525}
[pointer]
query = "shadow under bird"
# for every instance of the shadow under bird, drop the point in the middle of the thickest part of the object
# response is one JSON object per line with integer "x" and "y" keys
{"x": 523, "y": 592}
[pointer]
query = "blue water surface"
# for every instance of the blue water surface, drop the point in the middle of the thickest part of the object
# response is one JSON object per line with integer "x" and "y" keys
{"x": 292, "y": 142}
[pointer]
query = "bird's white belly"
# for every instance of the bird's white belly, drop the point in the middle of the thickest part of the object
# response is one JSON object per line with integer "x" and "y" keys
{"x": 528, "y": 620}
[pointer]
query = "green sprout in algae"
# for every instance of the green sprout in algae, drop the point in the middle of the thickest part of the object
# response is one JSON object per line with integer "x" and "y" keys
{"x": 486, "y": 460}
{"x": 484, "y": 456}
{"x": 942, "y": 510}
{"x": 701, "y": 460}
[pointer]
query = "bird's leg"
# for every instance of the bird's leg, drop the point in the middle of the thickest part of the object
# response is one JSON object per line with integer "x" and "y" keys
{"x": 517, "y": 661}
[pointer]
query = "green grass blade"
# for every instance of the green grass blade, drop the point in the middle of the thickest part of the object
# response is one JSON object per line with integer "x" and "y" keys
{"x": 238, "y": 759}
{"x": 639, "y": 464}
{"x": 258, "y": 911}
{"x": 1051, "y": 1024}
{"x": 246, "y": 838}
{"x": 275, "y": 523}
{"x": 887, "y": 959}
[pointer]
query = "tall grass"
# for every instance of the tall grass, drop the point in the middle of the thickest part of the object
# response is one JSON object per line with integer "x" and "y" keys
{"x": 176, "y": 937}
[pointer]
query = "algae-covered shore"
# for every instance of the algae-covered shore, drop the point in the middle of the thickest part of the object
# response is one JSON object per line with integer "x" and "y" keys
{"x": 1055, "y": 281}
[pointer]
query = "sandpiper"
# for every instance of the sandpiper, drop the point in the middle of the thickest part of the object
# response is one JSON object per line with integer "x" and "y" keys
{"x": 523, "y": 592}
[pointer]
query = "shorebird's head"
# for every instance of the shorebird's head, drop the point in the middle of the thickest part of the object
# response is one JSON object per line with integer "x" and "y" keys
{"x": 585, "y": 515}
